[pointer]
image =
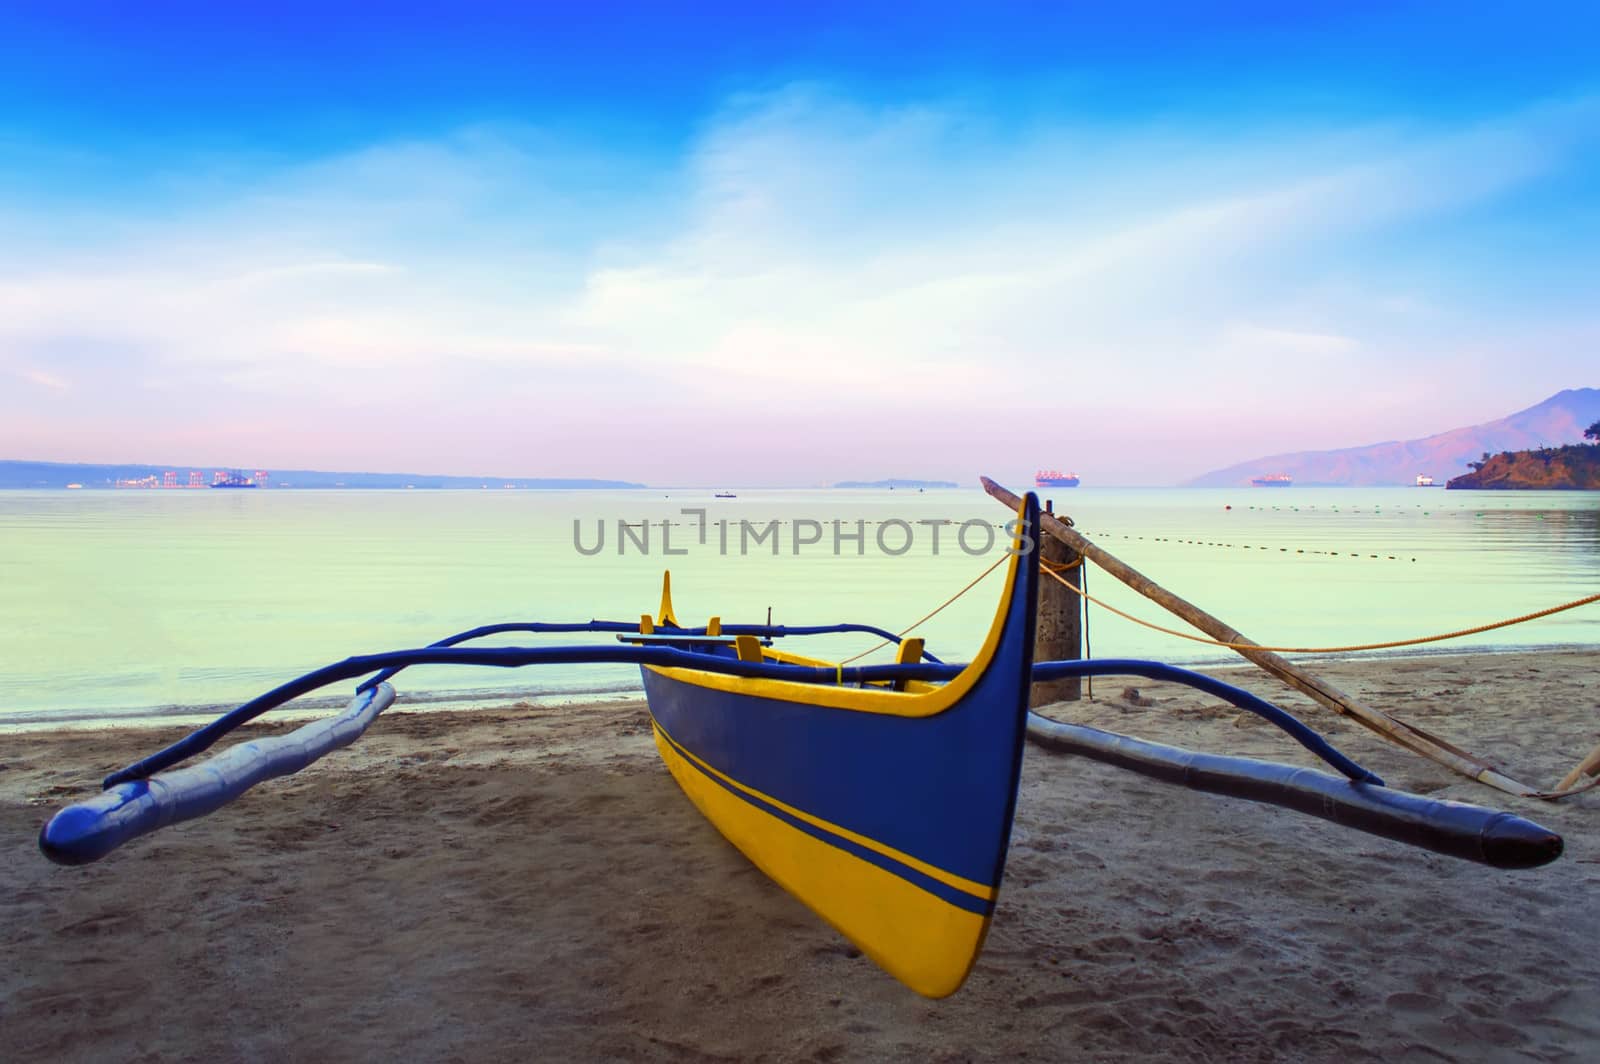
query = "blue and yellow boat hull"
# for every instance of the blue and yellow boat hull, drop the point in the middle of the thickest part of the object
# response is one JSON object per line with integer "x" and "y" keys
{"x": 887, "y": 812}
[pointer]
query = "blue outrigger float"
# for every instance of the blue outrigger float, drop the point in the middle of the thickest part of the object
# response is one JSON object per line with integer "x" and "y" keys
{"x": 881, "y": 796}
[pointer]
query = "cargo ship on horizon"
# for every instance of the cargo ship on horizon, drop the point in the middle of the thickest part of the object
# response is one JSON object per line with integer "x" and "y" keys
{"x": 1273, "y": 480}
{"x": 1054, "y": 478}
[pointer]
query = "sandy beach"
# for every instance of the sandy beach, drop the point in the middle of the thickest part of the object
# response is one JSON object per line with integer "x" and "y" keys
{"x": 510, "y": 885}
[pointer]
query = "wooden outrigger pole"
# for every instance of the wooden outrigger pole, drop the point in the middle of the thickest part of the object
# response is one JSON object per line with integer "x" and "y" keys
{"x": 1397, "y": 731}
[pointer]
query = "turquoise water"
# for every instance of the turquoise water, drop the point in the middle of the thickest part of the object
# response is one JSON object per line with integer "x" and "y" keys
{"x": 140, "y": 604}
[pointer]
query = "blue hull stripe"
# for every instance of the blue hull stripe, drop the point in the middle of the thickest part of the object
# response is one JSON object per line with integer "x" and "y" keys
{"x": 960, "y": 899}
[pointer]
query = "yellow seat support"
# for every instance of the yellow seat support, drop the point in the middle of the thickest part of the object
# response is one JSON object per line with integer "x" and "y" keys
{"x": 908, "y": 653}
{"x": 666, "y": 615}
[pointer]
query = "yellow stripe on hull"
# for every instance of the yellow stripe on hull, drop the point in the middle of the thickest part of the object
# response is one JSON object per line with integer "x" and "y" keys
{"x": 922, "y": 940}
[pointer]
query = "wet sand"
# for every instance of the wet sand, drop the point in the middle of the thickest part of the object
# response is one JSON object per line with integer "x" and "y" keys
{"x": 505, "y": 885}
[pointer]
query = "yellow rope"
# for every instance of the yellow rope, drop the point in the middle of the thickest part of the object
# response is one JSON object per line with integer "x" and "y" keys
{"x": 1586, "y": 600}
{"x": 929, "y": 616}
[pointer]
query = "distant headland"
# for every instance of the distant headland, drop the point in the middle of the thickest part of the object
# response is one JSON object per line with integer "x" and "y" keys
{"x": 896, "y": 483}
{"x": 50, "y": 475}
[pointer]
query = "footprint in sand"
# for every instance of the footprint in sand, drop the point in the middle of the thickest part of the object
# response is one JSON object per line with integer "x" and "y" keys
{"x": 1411, "y": 1001}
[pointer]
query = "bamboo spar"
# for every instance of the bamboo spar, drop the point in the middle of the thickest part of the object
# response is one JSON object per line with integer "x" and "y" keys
{"x": 1589, "y": 766}
{"x": 1398, "y": 731}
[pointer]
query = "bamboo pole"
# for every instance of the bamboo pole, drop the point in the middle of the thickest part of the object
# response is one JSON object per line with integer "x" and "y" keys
{"x": 1589, "y": 766}
{"x": 1412, "y": 738}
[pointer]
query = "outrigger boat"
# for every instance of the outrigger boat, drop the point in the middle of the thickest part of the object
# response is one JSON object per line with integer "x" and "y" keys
{"x": 881, "y": 796}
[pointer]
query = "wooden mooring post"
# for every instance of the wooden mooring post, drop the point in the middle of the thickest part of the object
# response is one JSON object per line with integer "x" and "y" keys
{"x": 1059, "y": 632}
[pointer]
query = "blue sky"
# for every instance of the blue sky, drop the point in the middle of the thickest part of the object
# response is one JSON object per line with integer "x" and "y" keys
{"x": 729, "y": 245}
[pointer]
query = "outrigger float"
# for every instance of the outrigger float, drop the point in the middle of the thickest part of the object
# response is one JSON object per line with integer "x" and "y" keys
{"x": 881, "y": 796}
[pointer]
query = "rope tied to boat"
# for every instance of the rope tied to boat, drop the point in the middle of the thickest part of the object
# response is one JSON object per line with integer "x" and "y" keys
{"x": 898, "y": 636}
{"x": 1573, "y": 783}
{"x": 1387, "y": 726}
{"x": 1053, "y": 572}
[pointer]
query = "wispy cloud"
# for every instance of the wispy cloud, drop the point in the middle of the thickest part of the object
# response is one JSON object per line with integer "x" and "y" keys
{"x": 929, "y": 269}
{"x": 42, "y": 379}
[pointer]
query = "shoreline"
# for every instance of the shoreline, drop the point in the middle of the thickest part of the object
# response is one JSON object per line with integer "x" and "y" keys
{"x": 501, "y": 883}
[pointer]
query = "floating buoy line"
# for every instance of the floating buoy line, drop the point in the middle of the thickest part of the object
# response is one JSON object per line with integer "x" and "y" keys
{"x": 1258, "y": 547}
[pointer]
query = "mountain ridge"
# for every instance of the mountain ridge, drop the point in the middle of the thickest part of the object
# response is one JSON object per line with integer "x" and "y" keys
{"x": 1556, "y": 421}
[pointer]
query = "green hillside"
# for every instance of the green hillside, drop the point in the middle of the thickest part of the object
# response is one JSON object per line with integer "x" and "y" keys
{"x": 1575, "y": 467}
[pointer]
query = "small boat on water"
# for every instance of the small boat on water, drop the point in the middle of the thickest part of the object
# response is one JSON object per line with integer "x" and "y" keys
{"x": 724, "y": 495}
{"x": 881, "y": 796}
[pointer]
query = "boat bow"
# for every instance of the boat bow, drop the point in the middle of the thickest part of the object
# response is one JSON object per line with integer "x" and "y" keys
{"x": 887, "y": 812}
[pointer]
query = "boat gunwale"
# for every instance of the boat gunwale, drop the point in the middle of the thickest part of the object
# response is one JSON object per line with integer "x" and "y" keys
{"x": 909, "y": 703}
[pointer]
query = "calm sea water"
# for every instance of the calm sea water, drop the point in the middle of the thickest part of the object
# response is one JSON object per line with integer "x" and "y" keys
{"x": 134, "y": 605}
